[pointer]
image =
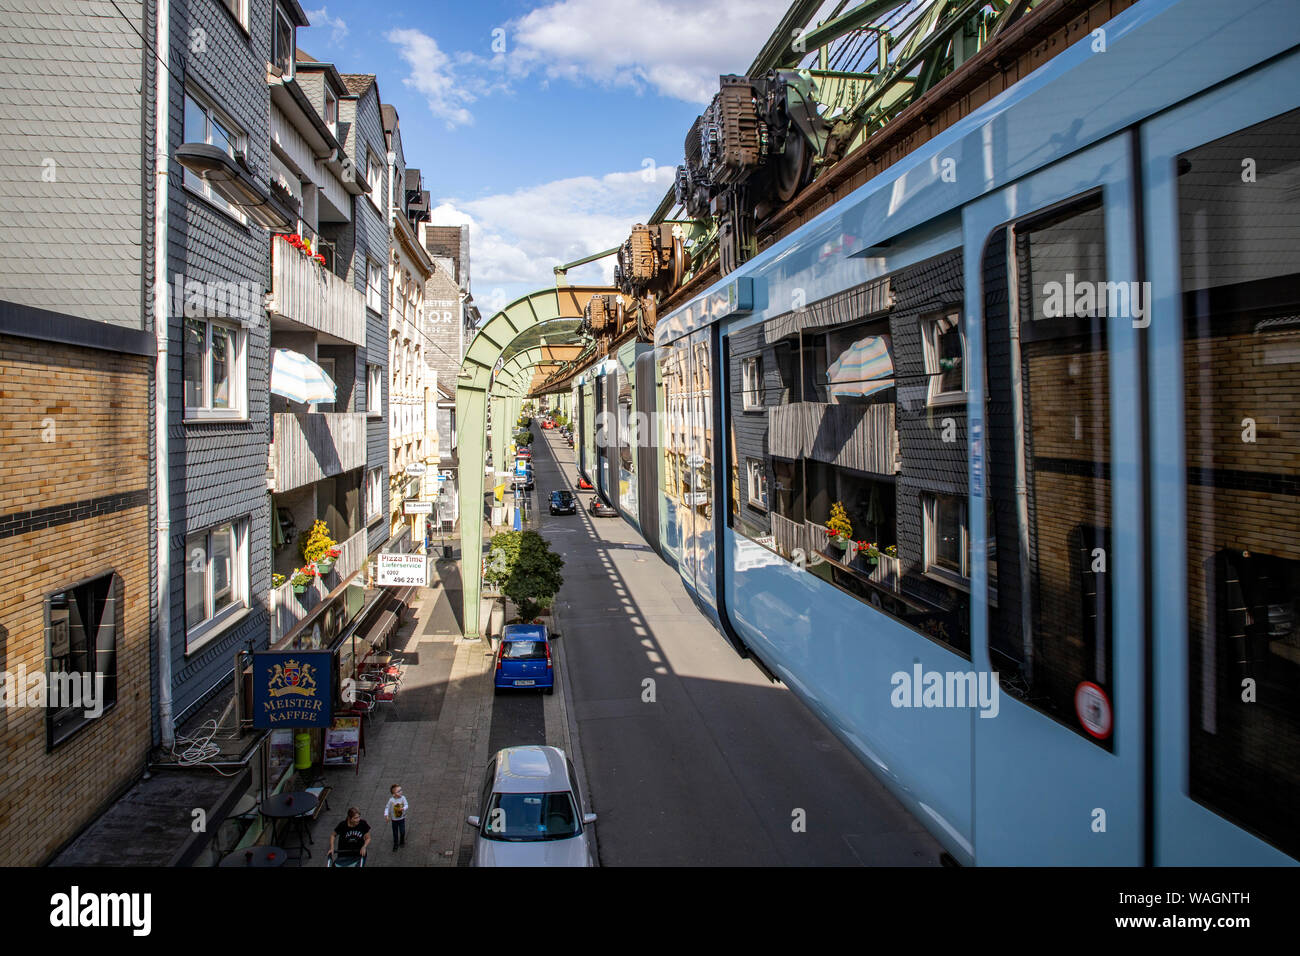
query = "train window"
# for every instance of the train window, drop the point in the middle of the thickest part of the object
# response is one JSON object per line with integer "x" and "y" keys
{"x": 846, "y": 466}
{"x": 1049, "y": 460}
{"x": 1239, "y": 230}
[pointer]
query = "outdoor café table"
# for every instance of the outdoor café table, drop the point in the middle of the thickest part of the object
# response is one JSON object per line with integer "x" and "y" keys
{"x": 256, "y": 856}
{"x": 291, "y": 807}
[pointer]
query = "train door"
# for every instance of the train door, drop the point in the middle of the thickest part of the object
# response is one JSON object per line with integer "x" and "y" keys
{"x": 1054, "y": 516}
{"x": 1222, "y": 174}
{"x": 687, "y": 368}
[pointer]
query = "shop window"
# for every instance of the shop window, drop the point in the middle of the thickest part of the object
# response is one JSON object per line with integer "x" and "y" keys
{"x": 82, "y": 626}
{"x": 214, "y": 364}
{"x": 1240, "y": 264}
{"x": 216, "y": 579}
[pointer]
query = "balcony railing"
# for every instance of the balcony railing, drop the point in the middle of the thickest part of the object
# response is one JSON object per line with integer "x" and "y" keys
{"x": 309, "y": 446}
{"x": 288, "y": 608}
{"x": 313, "y": 296}
{"x": 861, "y": 437}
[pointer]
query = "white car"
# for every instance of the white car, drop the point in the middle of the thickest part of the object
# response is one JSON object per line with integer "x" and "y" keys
{"x": 530, "y": 812}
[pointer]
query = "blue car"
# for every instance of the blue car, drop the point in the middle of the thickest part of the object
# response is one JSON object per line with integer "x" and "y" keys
{"x": 524, "y": 659}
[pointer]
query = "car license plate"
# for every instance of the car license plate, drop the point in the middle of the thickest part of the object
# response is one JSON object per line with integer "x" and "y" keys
{"x": 524, "y": 683}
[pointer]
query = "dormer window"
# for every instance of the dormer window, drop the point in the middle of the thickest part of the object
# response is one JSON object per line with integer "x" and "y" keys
{"x": 282, "y": 52}
{"x": 331, "y": 111}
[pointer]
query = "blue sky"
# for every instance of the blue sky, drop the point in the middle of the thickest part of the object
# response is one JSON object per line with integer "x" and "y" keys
{"x": 538, "y": 123}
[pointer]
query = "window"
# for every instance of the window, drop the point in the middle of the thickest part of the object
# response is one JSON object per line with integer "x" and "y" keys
{"x": 374, "y": 390}
{"x": 945, "y": 353}
{"x": 1048, "y": 461}
{"x": 375, "y": 177}
{"x": 206, "y": 124}
{"x": 331, "y": 111}
{"x": 374, "y": 286}
{"x": 282, "y": 40}
{"x": 1240, "y": 270}
{"x": 239, "y": 10}
{"x": 214, "y": 370}
{"x": 751, "y": 370}
{"x": 757, "y": 482}
{"x": 81, "y": 625}
{"x": 945, "y": 536}
{"x": 374, "y": 493}
{"x": 216, "y": 579}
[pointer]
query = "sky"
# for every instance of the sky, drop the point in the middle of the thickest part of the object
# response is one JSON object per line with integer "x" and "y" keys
{"x": 549, "y": 127}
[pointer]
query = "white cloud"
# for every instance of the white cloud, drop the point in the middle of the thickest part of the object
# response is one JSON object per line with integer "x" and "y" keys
{"x": 434, "y": 77}
{"x": 321, "y": 18}
{"x": 517, "y": 238}
{"x": 677, "y": 47}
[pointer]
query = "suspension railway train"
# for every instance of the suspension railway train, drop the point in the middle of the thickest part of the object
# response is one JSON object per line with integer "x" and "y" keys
{"x": 1042, "y": 377}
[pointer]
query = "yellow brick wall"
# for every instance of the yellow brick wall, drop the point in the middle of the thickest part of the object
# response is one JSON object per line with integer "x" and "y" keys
{"x": 100, "y": 405}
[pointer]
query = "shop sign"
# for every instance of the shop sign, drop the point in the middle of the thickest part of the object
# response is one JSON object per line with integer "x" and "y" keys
{"x": 415, "y": 468}
{"x": 292, "y": 689}
{"x": 402, "y": 570}
{"x": 417, "y": 507}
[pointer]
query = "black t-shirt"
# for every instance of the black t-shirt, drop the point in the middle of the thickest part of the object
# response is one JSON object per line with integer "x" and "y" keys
{"x": 352, "y": 838}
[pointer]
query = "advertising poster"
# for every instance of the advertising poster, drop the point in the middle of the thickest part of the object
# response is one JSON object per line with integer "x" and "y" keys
{"x": 343, "y": 742}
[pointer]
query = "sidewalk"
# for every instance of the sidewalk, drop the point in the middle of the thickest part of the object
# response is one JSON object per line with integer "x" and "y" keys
{"x": 432, "y": 740}
{"x": 435, "y": 739}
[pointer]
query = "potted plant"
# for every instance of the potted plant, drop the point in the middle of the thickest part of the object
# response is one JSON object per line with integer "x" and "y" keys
{"x": 277, "y": 580}
{"x": 303, "y": 577}
{"x": 869, "y": 553}
{"x": 317, "y": 543}
{"x": 839, "y": 527}
{"x": 326, "y": 564}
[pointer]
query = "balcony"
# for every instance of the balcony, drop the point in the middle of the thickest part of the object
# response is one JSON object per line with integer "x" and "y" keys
{"x": 861, "y": 437}
{"x": 287, "y": 608}
{"x": 309, "y": 446}
{"x": 314, "y": 297}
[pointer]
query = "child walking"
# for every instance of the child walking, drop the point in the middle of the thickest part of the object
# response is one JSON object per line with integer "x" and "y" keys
{"x": 395, "y": 813}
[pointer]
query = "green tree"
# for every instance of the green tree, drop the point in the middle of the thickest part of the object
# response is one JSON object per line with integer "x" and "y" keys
{"x": 522, "y": 566}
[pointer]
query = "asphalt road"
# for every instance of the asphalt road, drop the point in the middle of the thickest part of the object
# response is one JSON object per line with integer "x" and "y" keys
{"x": 710, "y": 764}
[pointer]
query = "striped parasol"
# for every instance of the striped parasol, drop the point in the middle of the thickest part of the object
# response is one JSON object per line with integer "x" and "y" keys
{"x": 299, "y": 379}
{"x": 866, "y": 367}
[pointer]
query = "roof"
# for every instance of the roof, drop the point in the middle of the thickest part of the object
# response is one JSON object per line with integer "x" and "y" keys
{"x": 357, "y": 83}
{"x": 530, "y": 632}
{"x": 389, "y": 114}
{"x": 302, "y": 56}
{"x": 531, "y": 770}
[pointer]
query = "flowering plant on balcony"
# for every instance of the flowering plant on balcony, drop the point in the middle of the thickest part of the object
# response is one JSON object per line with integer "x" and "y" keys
{"x": 303, "y": 577}
{"x": 839, "y": 527}
{"x": 302, "y": 245}
{"x": 277, "y": 580}
{"x": 317, "y": 543}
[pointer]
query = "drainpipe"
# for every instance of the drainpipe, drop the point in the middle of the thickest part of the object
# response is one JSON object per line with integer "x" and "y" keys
{"x": 161, "y": 321}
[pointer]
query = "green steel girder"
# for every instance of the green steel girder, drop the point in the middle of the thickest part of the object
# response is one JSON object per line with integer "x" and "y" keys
{"x": 476, "y": 385}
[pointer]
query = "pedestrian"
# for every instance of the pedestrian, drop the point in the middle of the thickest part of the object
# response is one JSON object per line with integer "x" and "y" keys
{"x": 395, "y": 813}
{"x": 352, "y": 836}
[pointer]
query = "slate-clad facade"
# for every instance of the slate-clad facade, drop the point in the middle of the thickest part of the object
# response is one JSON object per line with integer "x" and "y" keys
{"x": 76, "y": 369}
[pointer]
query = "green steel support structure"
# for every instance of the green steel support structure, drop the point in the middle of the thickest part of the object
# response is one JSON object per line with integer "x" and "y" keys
{"x": 504, "y": 334}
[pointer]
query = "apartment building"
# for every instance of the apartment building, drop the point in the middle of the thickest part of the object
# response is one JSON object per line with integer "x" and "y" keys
{"x": 77, "y": 352}
{"x": 409, "y": 269}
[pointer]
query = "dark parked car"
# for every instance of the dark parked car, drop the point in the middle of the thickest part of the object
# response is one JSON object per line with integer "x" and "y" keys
{"x": 564, "y": 503}
{"x": 600, "y": 509}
